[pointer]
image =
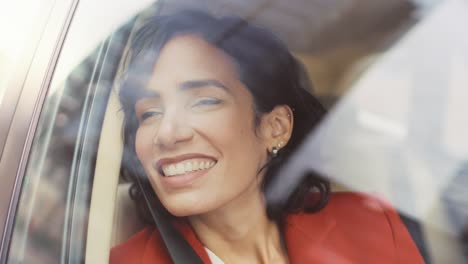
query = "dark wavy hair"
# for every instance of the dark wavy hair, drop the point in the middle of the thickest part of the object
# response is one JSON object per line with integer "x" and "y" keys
{"x": 265, "y": 66}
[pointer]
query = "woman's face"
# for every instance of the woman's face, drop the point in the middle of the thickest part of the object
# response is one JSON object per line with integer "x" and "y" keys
{"x": 196, "y": 137}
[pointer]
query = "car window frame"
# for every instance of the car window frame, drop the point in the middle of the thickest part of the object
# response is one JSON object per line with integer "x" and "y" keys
{"x": 23, "y": 110}
{"x": 15, "y": 86}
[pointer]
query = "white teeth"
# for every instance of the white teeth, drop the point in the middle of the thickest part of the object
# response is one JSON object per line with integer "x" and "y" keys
{"x": 180, "y": 168}
{"x": 186, "y": 167}
{"x": 195, "y": 165}
{"x": 169, "y": 170}
{"x": 172, "y": 170}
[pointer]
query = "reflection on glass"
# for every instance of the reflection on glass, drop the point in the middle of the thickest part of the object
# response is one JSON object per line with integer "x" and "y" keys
{"x": 51, "y": 220}
{"x": 40, "y": 218}
{"x": 17, "y": 20}
{"x": 2, "y": 93}
{"x": 401, "y": 131}
{"x": 153, "y": 148}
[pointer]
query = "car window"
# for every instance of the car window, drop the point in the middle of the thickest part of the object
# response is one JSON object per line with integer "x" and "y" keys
{"x": 17, "y": 24}
{"x": 391, "y": 75}
{"x": 404, "y": 119}
{"x": 395, "y": 120}
{"x": 21, "y": 24}
{"x": 52, "y": 214}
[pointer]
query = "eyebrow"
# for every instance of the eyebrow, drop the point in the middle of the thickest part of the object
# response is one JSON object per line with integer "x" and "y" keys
{"x": 188, "y": 85}
{"x": 145, "y": 93}
{"x": 202, "y": 83}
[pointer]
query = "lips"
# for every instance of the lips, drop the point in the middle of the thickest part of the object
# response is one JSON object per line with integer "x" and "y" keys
{"x": 184, "y": 164}
{"x": 176, "y": 173}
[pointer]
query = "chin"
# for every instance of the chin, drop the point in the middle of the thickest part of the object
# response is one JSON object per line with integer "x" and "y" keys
{"x": 184, "y": 209}
{"x": 179, "y": 210}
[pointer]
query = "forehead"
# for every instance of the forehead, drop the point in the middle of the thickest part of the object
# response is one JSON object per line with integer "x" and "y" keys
{"x": 190, "y": 57}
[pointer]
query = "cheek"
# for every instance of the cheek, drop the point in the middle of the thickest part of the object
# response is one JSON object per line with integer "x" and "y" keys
{"x": 143, "y": 143}
{"x": 227, "y": 127}
{"x": 234, "y": 132}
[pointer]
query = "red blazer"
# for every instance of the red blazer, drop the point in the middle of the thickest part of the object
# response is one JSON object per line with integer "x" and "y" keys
{"x": 352, "y": 228}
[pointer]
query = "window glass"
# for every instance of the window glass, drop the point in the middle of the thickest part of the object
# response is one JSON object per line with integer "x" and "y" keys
{"x": 52, "y": 215}
{"x": 55, "y": 190}
{"x": 397, "y": 128}
{"x": 391, "y": 74}
{"x": 18, "y": 26}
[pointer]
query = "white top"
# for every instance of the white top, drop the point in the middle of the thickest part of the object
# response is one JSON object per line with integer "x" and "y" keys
{"x": 213, "y": 258}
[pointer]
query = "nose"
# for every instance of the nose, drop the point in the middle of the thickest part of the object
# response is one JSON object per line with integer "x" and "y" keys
{"x": 173, "y": 131}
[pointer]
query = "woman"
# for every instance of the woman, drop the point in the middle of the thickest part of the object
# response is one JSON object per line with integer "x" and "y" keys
{"x": 213, "y": 107}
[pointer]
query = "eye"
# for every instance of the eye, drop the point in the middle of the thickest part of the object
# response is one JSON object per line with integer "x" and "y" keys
{"x": 150, "y": 114}
{"x": 207, "y": 101}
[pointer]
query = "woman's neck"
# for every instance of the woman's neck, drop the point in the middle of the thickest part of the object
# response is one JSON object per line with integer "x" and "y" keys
{"x": 241, "y": 232}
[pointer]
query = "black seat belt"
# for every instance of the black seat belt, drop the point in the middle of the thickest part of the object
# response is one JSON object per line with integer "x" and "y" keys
{"x": 179, "y": 249}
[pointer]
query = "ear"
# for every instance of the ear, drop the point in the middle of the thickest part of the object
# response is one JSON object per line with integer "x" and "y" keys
{"x": 277, "y": 127}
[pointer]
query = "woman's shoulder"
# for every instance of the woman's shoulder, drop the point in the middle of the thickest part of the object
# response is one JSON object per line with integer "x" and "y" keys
{"x": 349, "y": 209}
{"x": 364, "y": 221}
{"x": 133, "y": 250}
{"x": 147, "y": 246}
{"x": 356, "y": 212}
{"x": 358, "y": 203}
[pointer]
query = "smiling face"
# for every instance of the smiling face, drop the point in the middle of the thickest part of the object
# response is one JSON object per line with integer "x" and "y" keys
{"x": 196, "y": 137}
